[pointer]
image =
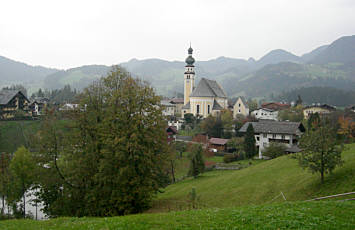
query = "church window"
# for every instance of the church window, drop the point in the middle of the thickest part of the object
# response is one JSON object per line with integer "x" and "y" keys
{"x": 208, "y": 109}
{"x": 198, "y": 109}
{"x": 239, "y": 104}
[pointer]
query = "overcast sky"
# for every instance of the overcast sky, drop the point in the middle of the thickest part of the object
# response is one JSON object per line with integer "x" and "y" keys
{"x": 71, "y": 33}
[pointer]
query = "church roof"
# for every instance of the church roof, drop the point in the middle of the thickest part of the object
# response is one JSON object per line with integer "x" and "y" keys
{"x": 208, "y": 88}
{"x": 187, "y": 106}
{"x": 216, "y": 106}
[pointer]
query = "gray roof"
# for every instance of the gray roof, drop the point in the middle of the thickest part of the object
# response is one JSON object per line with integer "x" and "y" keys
{"x": 187, "y": 106}
{"x": 208, "y": 88}
{"x": 6, "y": 95}
{"x": 275, "y": 127}
{"x": 216, "y": 106}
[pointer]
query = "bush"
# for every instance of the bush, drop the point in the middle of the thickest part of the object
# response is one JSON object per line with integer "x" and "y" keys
{"x": 227, "y": 158}
{"x": 274, "y": 150}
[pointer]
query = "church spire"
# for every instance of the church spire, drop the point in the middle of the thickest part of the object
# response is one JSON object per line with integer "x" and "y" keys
{"x": 190, "y": 60}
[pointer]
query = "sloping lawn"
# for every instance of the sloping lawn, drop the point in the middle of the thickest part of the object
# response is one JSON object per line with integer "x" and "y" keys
{"x": 259, "y": 184}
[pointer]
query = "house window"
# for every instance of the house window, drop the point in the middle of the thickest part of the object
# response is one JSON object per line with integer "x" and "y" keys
{"x": 208, "y": 109}
{"x": 274, "y": 136}
{"x": 239, "y": 104}
{"x": 258, "y": 138}
{"x": 283, "y": 137}
{"x": 265, "y": 135}
{"x": 239, "y": 111}
{"x": 197, "y": 109}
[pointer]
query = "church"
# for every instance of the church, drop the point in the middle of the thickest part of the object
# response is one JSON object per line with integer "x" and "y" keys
{"x": 207, "y": 98}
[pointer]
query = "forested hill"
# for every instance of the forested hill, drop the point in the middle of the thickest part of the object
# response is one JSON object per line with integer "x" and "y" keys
{"x": 327, "y": 95}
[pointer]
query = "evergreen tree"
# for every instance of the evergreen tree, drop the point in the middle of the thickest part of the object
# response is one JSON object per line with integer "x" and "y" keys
{"x": 197, "y": 164}
{"x": 249, "y": 142}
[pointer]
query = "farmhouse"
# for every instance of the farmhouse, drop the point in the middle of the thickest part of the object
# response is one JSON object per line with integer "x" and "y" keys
{"x": 275, "y": 106}
{"x": 284, "y": 132}
{"x": 320, "y": 109}
{"x": 13, "y": 102}
{"x": 208, "y": 98}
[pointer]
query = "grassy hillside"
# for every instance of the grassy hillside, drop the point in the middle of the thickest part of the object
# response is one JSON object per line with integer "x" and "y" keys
{"x": 299, "y": 215}
{"x": 259, "y": 184}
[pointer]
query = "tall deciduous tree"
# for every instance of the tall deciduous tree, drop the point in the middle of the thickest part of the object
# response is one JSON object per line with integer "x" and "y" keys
{"x": 320, "y": 152}
{"x": 249, "y": 142}
{"x": 115, "y": 157}
{"x": 22, "y": 168}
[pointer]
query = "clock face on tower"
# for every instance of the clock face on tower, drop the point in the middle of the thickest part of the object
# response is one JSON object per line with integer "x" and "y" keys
{"x": 187, "y": 81}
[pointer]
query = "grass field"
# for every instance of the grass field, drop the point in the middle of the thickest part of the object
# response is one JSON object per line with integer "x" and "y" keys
{"x": 259, "y": 184}
{"x": 290, "y": 215}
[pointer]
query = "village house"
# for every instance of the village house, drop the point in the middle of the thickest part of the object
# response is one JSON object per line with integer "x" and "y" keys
{"x": 208, "y": 98}
{"x": 265, "y": 114}
{"x": 317, "y": 108}
{"x": 240, "y": 107}
{"x": 13, "y": 102}
{"x": 179, "y": 103}
{"x": 275, "y": 106}
{"x": 284, "y": 132}
{"x": 168, "y": 108}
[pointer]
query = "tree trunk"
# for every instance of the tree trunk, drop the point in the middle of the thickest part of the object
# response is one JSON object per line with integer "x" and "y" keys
{"x": 24, "y": 201}
{"x": 172, "y": 171}
{"x": 322, "y": 169}
{"x": 3, "y": 205}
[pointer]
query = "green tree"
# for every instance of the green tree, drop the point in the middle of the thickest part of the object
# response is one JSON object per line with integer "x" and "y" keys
{"x": 313, "y": 121}
{"x": 320, "y": 152}
{"x": 227, "y": 121}
{"x": 197, "y": 164}
{"x": 115, "y": 156}
{"x": 22, "y": 168}
{"x": 249, "y": 142}
{"x": 252, "y": 104}
{"x": 5, "y": 179}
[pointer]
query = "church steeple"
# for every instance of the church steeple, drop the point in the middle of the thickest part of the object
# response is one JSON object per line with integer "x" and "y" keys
{"x": 189, "y": 76}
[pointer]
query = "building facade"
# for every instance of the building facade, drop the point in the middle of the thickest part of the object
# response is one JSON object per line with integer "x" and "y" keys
{"x": 265, "y": 132}
{"x": 320, "y": 109}
{"x": 208, "y": 98}
{"x": 240, "y": 107}
{"x": 265, "y": 114}
{"x": 13, "y": 102}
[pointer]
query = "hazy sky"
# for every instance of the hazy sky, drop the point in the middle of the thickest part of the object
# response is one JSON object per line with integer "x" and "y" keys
{"x": 64, "y": 34}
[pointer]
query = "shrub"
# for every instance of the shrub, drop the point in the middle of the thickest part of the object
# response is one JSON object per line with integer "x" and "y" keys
{"x": 274, "y": 150}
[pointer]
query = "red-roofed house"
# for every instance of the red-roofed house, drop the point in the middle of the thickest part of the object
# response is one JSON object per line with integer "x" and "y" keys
{"x": 275, "y": 105}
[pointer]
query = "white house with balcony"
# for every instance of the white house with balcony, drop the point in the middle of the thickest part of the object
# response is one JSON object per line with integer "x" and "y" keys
{"x": 284, "y": 132}
{"x": 265, "y": 114}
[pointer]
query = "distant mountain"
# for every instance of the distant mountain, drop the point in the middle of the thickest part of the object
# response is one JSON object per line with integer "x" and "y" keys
{"x": 340, "y": 51}
{"x": 285, "y": 76}
{"x": 78, "y": 78}
{"x": 277, "y": 56}
{"x": 323, "y": 95}
{"x": 12, "y": 72}
{"x": 311, "y": 55}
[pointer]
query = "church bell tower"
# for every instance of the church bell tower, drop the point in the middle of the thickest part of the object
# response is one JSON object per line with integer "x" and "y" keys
{"x": 189, "y": 76}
